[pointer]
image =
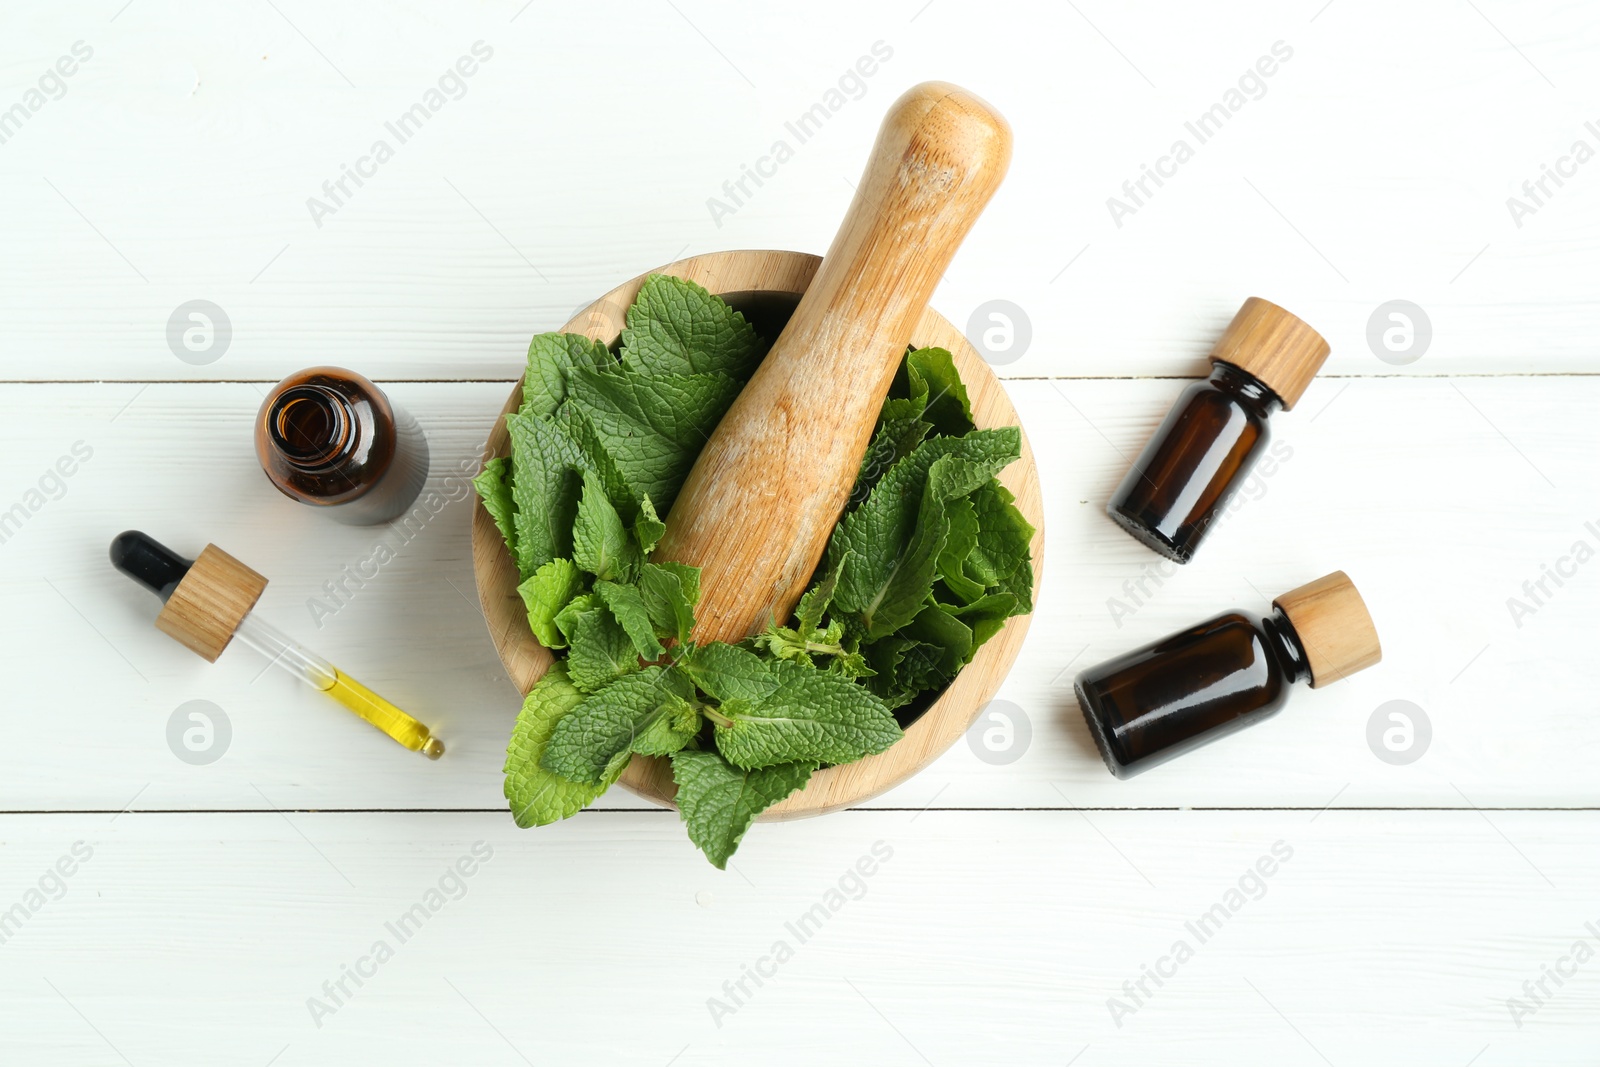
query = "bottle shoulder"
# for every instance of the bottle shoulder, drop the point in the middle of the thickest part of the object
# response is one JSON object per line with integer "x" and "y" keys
{"x": 1244, "y": 391}
{"x": 325, "y": 435}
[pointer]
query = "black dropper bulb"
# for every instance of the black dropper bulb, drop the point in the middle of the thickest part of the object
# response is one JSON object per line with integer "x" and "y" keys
{"x": 148, "y": 562}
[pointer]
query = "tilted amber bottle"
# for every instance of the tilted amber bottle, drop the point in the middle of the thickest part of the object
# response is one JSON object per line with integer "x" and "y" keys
{"x": 1184, "y": 478}
{"x": 1191, "y": 688}
{"x": 330, "y": 438}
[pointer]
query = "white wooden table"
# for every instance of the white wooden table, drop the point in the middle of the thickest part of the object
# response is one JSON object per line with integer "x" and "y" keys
{"x": 1019, "y": 904}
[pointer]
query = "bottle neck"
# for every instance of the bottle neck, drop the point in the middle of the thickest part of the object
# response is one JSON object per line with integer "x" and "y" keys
{"x": 312, "y": 427}
{"x": 1286, "y": 647}
{"x": 1245, "y": 387}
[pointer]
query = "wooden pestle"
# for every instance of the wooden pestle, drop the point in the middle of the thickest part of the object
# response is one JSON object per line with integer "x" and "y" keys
{"x": 757, "y": 508}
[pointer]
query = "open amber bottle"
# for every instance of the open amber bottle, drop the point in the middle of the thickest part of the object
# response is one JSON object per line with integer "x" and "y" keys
{"x": 1231, "y": 671}
{"x": 1182, "y": 481}
{"x": 330, "y": 438}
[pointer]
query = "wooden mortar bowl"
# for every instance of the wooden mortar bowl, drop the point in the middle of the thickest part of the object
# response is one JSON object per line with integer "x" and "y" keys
{"x": 765, "y": 286}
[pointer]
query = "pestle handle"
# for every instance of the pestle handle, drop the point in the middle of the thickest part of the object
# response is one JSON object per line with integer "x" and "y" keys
{"x": 756, "y": 510}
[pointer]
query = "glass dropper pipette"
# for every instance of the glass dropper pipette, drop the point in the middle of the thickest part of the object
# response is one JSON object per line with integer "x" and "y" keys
{"x": 210, "y": 600}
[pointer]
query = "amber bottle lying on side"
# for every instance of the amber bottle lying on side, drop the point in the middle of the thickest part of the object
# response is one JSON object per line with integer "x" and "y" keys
{"x": 1191, "y": 688}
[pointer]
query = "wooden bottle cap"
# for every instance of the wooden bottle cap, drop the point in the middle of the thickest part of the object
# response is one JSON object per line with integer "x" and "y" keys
{"x": 1333, "y": 625}
{"x": 1275, "y": 346}
{"x": 209, "y": 604}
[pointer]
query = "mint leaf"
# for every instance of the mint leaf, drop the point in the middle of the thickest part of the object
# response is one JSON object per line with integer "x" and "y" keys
{"x": 962, "y": 539}
{"x": 545, "y": 465}
{"x": 670, "y": 727}
{"x": 677, "y": 327}
{"x": 551, "y": 588}
{"x": 665, "y": 600}
{"x": 814, "y": 605}
{"x": 601, "y": 651}
{"x": 905, "y": 667}
{"x": 891, "y": 598}
{"x": 600, "y": 545}
{"x": 908, "y": 392}
{"x": 652, "y": 427}
{"x": 901, "y": 427}
{"x": 582, "y": 431}
{"x": 588, "y": 743}
{"x": 728, "y": 672}
{"x": 886, "y": 657}
{"x": 947, "y": 407}
{"x": 567, "y": 617}
{"x": 892, "y": 441}
{"x": 985, "y": 628}
{"x": 951, "y": 636}
{"x": 988, "y": 606}
{"x": 628, "y": 607}
{"x": 718, "y": 802}
{"x": 1004, "y": 537}
{"x": 811, "y": 715}
{"x": 881, "y": 588}
{"x": 925, "y": 654}
{"x": 688, "y": 578}
{"x": 985, "y": 616}
{"x": 889, "y": 513}
{"x": 921, "y": 665}
{"x": 537, "y": 796}
{"x": 551, "y": 357}
{"x": 494, "y": 487}
{"x": 648, "y": 527}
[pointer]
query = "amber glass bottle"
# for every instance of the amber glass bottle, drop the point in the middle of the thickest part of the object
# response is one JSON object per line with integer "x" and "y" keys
{"x": 1184, "y": 478}
{"x": 330, "y": 438}
{"x": 1187, "y": 690}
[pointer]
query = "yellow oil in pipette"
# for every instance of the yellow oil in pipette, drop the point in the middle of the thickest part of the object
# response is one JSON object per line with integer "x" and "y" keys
{"x": 384, "y": 715}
